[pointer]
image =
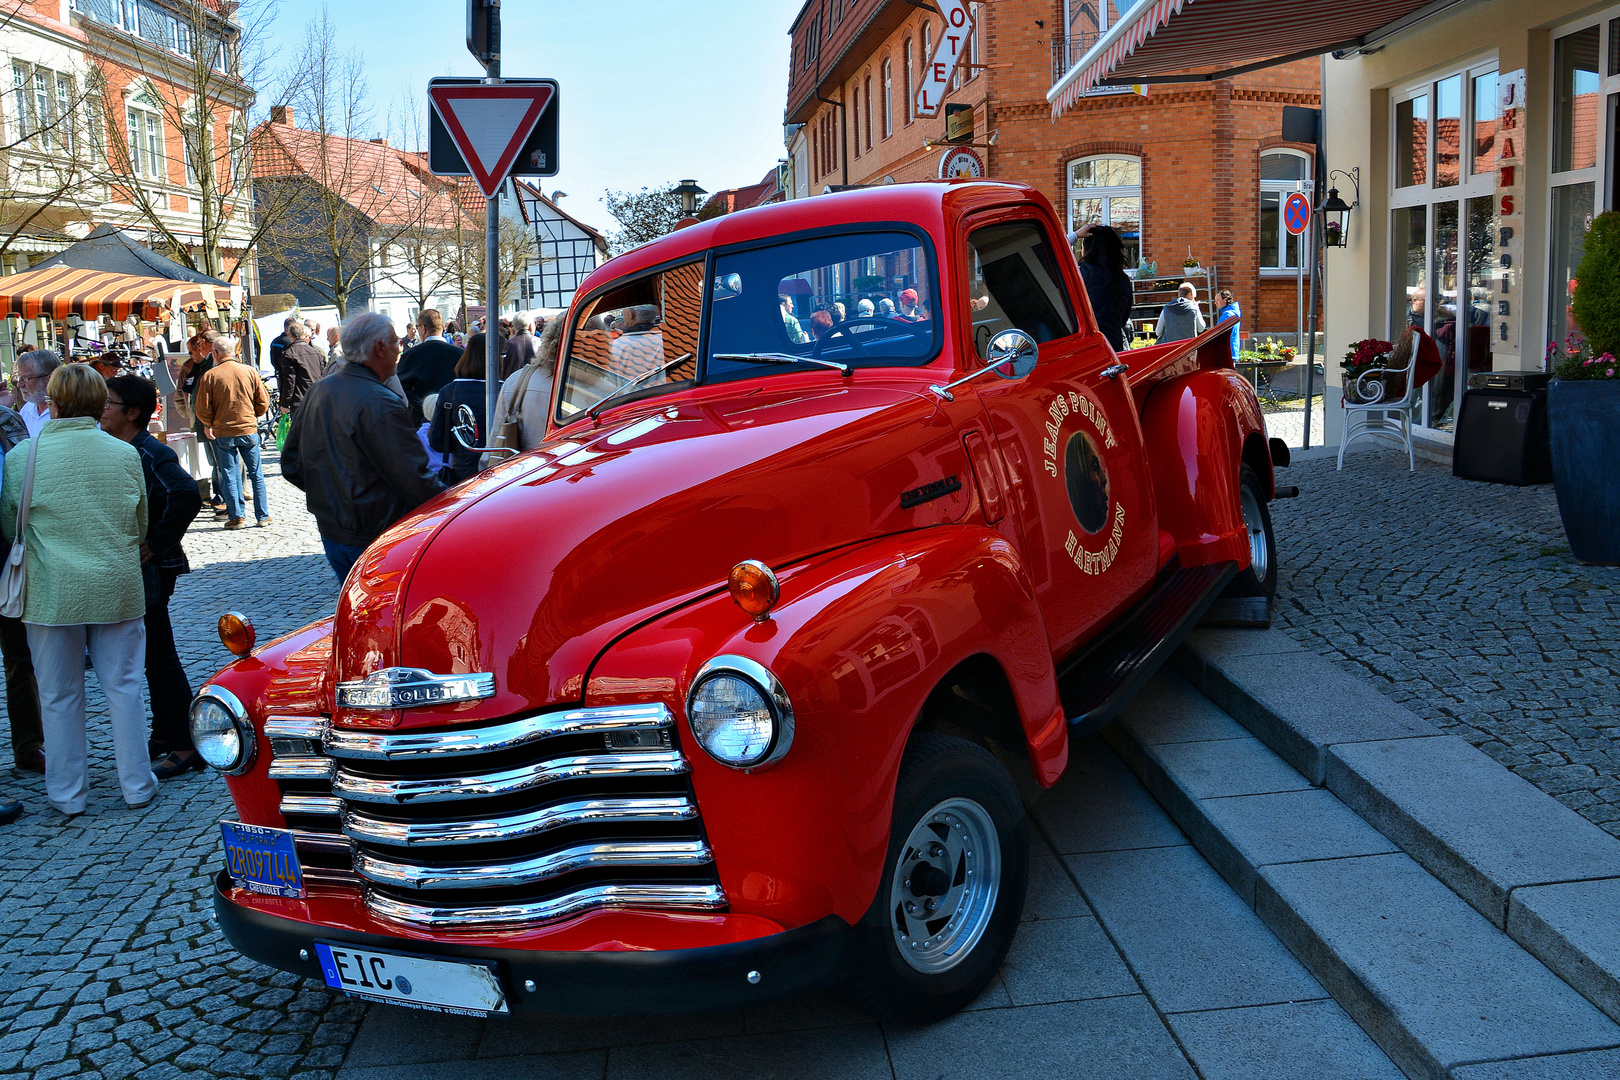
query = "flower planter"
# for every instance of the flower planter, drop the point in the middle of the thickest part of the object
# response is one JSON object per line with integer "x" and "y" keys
{"x": 1583, "y": 420}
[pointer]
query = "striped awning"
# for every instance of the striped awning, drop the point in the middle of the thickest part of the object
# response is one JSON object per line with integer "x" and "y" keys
{"x": 64, "y": 290}
{"x": 1195, "y": 40}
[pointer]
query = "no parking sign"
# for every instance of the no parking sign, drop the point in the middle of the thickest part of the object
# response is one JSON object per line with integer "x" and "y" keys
{"x": 1297, "y": 213}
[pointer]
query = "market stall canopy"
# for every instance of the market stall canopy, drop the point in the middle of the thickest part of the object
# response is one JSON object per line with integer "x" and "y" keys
{"x": 107, "y": 248}
{"x": 62, "y": 291}
{"x": 1163, "y": 41}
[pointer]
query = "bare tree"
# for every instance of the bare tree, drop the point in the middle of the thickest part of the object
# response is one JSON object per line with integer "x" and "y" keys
{"x": 195, "y": 76}
{"x": 642, "y": 215}
{"x": 418, "y": 267}
{"x": 52, "y": 170}
{"x": 515, "y": 250}
{"x": 345, "y": 197}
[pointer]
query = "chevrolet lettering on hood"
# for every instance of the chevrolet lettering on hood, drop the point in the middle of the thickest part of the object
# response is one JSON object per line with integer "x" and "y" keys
{"x": 843, "y": 508}
{"x": 409, "y": 688}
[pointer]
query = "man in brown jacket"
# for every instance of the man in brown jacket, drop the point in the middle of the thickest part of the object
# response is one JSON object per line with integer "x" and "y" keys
{"x": 230, "y": 399}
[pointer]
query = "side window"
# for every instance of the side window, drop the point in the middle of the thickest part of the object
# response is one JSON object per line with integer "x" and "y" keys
{"x": 1014, "y": 283}
{"x": 643, "y": 332}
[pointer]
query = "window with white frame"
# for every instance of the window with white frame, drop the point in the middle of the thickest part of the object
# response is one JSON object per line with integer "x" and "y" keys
{"x": 888, "y": 97}
{"x": 1443, "y": 225}
{"x": 1107, "y": 190}
{"x": 911, "y": 80}
{"x": 1585, "y": 157}
{"x": 44, "y": 107}
{"x": 143, "y": 120}
{"x": 1282, "y": 172}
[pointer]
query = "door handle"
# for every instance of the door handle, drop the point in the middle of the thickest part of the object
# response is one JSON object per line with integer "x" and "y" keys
{"x": 1114, "y": 371}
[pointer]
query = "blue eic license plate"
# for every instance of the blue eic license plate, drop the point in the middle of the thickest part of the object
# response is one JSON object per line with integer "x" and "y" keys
{"x": 262, "y": 860}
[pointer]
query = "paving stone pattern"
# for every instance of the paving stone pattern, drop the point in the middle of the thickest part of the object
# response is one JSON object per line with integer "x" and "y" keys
{"x": 1461, "y": 601}
{"x": 109, "y": 963}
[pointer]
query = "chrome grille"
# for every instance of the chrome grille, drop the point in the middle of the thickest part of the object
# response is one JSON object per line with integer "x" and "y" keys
{"x": 503, "y": 824}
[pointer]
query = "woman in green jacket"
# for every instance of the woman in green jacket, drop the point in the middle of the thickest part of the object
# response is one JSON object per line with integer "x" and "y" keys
{"x": 86, "y": 524}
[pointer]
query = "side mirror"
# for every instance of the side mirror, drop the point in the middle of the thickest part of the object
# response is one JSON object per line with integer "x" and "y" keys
{"x": 465, "y": 428}
{"x": 1013, "y": 355}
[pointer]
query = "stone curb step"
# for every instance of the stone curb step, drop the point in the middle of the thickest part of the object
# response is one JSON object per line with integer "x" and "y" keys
{"x": 1440, "y": 986}
{"x": 1535, "y": 868}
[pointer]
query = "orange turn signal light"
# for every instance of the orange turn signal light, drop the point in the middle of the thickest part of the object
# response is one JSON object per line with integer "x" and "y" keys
{"x": 236, "y": 633}
{"x": 753, "y": 586}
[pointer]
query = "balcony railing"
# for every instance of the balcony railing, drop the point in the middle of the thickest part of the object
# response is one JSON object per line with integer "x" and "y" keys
{"x": 1068, "y": 51}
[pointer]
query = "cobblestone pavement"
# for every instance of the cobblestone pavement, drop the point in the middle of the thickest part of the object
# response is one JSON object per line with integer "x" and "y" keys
{"x": 109, "y": 963}
{"x": 1461, "y": 600}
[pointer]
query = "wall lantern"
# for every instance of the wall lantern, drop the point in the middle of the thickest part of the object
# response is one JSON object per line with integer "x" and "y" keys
{"x": 1336, "y": 212}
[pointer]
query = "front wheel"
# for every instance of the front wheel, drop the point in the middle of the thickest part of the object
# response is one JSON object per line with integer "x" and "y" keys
{"x": 953, "y": 884}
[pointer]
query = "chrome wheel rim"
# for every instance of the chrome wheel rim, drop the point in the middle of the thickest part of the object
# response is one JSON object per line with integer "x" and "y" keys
{"x": 1259, "y": 556}
{"x": 945, "y": 884}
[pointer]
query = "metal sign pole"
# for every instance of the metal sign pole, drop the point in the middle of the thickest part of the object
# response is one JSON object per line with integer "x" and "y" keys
{"x": 491, "y": 44}
{"x": 1310, "y": 361}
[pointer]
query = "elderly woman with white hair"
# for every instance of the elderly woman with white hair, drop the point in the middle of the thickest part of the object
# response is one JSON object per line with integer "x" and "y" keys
{"x": 352, "y": 448}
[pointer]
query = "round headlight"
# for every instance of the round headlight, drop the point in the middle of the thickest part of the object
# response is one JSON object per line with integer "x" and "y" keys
{"x": 221, "y": 731}
{"x": 740, "y": 713}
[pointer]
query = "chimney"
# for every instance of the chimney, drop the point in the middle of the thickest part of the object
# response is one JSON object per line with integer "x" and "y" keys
{"x": 282, "y": 114}
{"x": 380, "y": 142}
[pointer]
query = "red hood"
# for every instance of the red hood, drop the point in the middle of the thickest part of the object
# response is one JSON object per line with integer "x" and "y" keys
{"x": 530, "y": 570}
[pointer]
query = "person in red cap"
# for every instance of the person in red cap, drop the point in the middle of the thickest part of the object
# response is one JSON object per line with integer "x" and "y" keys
{"x": 910, "y": 308}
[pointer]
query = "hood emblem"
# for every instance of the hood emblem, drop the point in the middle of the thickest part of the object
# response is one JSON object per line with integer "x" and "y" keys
{"x": 409, "y": 688}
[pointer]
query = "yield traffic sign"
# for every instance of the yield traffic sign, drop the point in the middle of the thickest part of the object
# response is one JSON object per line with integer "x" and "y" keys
{"x": 1297, "y": 213}
{"x": 489, "y": 123}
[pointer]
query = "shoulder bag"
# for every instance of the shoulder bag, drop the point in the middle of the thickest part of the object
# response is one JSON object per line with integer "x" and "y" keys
{"x": 511, "y": 434}
{"x": 13, "y": 579}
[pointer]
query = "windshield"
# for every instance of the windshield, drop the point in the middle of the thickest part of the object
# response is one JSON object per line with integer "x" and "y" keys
{"x": 846, "y": 301}
{"x": 860, "y": 299}
{"x": 625, "y": 336}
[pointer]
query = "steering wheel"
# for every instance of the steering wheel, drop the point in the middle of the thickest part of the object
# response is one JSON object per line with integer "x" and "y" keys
{"x": 917, "y": 330}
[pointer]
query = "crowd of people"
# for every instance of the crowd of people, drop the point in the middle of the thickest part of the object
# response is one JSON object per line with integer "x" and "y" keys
{"x": 98, "y": 508}
{"x": 101, "y": 507}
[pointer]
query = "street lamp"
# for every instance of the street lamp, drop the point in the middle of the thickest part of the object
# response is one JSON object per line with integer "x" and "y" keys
{"x": 1335, "y": 212}
{"x": 689, "y": 191}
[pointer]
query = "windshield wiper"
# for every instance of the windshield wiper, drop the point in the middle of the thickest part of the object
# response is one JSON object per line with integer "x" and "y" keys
{"x": 783, "y": 358}
{"x": 637, "y": 381}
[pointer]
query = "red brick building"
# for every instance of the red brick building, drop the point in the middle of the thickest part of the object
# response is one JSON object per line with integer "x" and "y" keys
{"x": 1193, "y": 168}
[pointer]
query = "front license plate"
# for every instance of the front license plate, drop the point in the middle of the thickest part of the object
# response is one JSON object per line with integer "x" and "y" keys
{"x": 464, "y": 987}
{"x": 262, "y": 860}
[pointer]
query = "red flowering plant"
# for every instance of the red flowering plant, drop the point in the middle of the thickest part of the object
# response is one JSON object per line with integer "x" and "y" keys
{"x": 1574, "y": 360}
{"x": 1362, "y": 357}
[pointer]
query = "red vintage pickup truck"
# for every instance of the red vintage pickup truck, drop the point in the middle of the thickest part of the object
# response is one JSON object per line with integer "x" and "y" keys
{"x": 717, "y": 696}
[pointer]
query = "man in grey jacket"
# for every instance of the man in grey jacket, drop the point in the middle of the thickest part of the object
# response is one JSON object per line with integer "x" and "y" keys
{"x": 1181, "y": 318}
{"x": 352, "y": 448}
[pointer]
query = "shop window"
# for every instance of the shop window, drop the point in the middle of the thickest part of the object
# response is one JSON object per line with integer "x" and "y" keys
{"x": 1108, "y": 191}
{"x": 1412, "y": 142}
{"x": 1487, "y": 119}
{"x": 1281, "y": 172}
{"x": 1575, "y": 89}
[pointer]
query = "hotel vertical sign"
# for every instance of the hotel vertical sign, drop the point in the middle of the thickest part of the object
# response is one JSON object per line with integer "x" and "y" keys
{"x": 1508, "y": 303}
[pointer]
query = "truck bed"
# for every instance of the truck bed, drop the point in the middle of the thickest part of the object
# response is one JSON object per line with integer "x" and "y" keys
{"x": 1156, "y": 363}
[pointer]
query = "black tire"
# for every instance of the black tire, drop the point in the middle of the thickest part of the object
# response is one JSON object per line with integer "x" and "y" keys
{"x": 940, "y": 778}
{"x": 1256, "y": 514}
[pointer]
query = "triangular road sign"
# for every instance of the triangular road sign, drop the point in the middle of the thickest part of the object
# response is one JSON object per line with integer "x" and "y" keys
{"x": 490, "y": 122}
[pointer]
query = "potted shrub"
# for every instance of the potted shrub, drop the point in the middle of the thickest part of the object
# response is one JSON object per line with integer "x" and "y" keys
{"x": 1583, "y": 402}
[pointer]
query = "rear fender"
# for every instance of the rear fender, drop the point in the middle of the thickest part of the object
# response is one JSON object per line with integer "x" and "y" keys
{"x": 1200, "y": 429}
{"x": 859, "y": 640}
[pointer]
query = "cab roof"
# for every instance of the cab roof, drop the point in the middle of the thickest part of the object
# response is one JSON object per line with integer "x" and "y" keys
{"x": 932, "y": 205}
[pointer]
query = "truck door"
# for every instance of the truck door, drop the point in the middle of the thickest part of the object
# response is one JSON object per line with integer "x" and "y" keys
{"x": 1068, "y": 433}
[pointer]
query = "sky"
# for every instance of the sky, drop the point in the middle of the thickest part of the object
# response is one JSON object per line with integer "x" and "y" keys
{"x": 651, "y": 91}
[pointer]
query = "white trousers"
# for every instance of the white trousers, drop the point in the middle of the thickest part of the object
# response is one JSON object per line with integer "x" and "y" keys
{"x": 118, "y": 651}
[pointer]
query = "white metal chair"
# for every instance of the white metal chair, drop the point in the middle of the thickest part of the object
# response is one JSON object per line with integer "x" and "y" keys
{"x": 1414, "y": 362}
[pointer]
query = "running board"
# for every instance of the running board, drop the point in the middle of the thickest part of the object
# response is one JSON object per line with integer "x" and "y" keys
{"x": 1101, "y": 681}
